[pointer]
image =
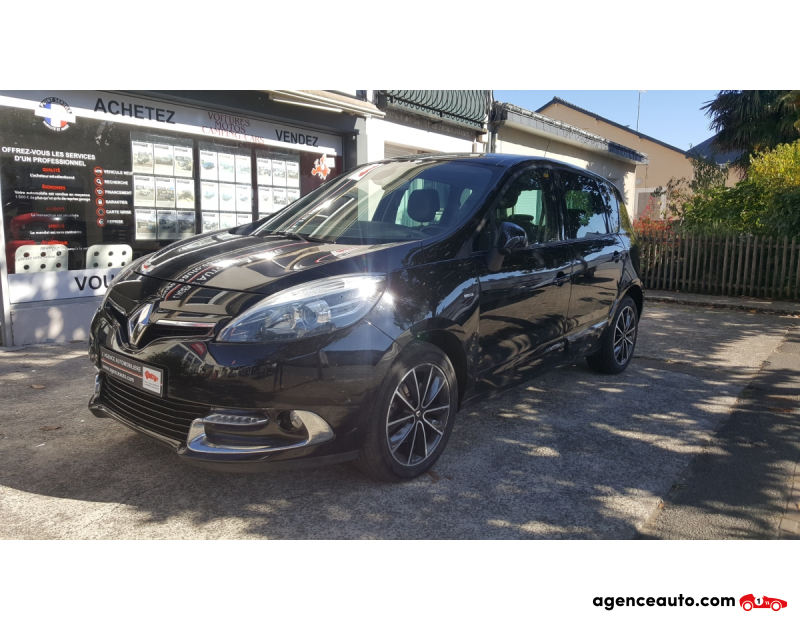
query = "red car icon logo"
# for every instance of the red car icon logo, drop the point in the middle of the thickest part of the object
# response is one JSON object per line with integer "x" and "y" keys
{"x": 150, "y": 376}
{"x": 748, "y": 602}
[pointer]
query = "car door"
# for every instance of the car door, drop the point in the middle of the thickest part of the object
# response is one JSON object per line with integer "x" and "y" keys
{"x": 597, "y": 256}
{"x": 523, "y": 305}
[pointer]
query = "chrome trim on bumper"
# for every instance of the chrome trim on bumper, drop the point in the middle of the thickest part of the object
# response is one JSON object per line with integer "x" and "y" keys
{"x": 176, "y": 322}
{"x": 199, "y": 443}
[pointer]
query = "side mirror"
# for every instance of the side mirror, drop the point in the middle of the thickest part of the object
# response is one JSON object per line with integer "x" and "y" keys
{"x": 511, "y": 238}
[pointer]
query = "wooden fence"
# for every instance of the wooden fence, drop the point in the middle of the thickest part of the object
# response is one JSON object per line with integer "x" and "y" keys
{"x": 741, "y": 265}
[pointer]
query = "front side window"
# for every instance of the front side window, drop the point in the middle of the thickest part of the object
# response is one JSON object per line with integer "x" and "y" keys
{"x": 587, "y": 210}
{"x": 386, "y": 203}
{"x": 528, "y": 204}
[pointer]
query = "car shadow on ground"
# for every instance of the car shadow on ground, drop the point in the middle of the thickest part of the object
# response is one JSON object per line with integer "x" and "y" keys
{"x": 569, "y": 454}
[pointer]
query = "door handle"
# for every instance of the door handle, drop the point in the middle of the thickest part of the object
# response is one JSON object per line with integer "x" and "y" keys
{"x": 616, "y": 256}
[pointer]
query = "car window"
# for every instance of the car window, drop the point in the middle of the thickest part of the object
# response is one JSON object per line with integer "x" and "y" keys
{"x": 612, "y": 201}
{"x": 390, "y": 202}
{"x": 587, "y": 210}
{"x": 528, "y": 204}
{"x": 420, "y": 183}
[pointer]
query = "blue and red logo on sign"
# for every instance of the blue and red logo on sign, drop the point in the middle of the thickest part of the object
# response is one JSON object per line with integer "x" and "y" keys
{"x": 56, "y": 113}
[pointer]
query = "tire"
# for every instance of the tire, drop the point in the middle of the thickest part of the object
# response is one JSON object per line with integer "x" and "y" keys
{"x": 775, "y": 606}
{"x": 405, "y": 438}
{"x": 747, "y": 606}
{"x": 619, "y": 343}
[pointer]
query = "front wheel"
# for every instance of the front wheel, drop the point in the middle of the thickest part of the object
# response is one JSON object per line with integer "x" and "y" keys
{"x": 413, "y": 417}
{"x": 619, "y": 342}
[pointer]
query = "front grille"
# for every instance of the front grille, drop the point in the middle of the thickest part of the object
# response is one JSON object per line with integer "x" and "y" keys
{"x": 156, "y": 331}
{"x": 170, "y": 418}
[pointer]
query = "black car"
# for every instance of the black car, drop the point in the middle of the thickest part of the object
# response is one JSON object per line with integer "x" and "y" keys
{"x": 356, "y": 322}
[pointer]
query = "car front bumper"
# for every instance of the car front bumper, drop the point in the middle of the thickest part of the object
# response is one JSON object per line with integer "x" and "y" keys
{"x": 328, "y": 381}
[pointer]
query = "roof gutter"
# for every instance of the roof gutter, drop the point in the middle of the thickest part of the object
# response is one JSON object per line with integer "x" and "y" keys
{"x": 505, "y": 114}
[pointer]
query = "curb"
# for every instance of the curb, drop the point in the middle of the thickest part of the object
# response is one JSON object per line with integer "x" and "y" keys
{"x": 737, "y": 305}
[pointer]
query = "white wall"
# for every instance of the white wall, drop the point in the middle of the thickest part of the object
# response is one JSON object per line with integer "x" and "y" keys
{"x": 379, "y": 132}
{"x": 59, "y": 320}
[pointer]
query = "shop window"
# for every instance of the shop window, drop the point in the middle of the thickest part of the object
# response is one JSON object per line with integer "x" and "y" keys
{"x": 97, "y": 193}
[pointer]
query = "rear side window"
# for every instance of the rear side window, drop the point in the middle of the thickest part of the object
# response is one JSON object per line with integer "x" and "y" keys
{"x": 587, "y": 208}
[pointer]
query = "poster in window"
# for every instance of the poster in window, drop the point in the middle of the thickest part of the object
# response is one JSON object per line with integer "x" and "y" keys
{"x": 292, "y": 195}
{"x": 142, "y": 157}
{"x": 167, "y": 225}
{"x": 184, "y": 193}
{"x": 165, "y": 192}
{"x": 243, "y": 173}
{"x": 265, "y": 201}
{"x": 145, "y": 224}
{"x": 227, "y": 197}
{"x": 278, "y": 173}
{"x": 208, "y": 165}
{"x": 186, "y": 223}
{"x": 144, "y": 193}
{"x": 293, "y": 174}
{"x": 164, "y": 159}
{"x": 264, "y": 171}
{"x": 243, "y": 219}
{"x": 227, "y": 220}
{"x": 210, "y": 221}
{"x": 278, "y": 198}
{"x": 209, "y": 199}
{"x": 227, "y": 167}
{"x": 184, "y": 162}
{"x": 244, "y": 202}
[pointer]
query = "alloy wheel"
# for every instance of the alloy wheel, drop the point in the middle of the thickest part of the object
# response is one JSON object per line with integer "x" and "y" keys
{"x": 624, "y": 335}
{"x": 418, "y": 414}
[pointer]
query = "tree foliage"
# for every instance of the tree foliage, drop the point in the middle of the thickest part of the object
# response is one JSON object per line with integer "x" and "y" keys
{"x": 767, "y": 202}
{"x": 752, "y": 121}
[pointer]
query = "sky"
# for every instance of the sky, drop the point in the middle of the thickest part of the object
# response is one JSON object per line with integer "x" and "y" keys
{"x": 672, "y": 116}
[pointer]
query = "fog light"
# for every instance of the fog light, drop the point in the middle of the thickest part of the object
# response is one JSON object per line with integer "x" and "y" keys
{"x": 295, "y": 421}
{"x": 290, "y": 421}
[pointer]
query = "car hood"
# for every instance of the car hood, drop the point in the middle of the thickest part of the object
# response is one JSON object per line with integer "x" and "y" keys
{"x": 264, "y": 264}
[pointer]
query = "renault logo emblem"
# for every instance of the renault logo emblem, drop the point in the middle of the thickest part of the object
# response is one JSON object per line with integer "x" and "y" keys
{"x": 138, "y": 323}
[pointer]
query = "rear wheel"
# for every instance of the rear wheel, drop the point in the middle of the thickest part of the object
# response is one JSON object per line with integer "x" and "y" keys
{"x": 414, "y": 417}
{"x": 620, "y": 340}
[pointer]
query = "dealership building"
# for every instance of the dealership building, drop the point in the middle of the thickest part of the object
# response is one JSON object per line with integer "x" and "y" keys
{"x": 92, "y": 180}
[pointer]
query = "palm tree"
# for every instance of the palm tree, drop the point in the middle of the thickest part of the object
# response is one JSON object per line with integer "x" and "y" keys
{"x": 748, "y": 121}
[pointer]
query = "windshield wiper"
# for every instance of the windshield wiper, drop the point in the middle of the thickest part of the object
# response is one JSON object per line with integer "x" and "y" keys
{"x": 300, "y": 237}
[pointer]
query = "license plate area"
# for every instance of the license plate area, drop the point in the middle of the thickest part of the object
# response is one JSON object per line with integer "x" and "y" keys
{"x": 135, "y": 373}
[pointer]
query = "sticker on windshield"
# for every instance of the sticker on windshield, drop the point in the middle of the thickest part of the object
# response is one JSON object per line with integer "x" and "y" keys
{"x": 360, "y": 173}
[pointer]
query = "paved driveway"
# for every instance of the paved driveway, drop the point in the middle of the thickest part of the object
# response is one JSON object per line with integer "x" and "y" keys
{"x": 571, "y": 454}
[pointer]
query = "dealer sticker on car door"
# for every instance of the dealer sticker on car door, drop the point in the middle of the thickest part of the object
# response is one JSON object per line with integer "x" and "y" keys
{"x": 132, "y": 372}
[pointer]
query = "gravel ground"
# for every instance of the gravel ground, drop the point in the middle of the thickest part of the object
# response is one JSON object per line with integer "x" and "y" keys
{"x": 571, "y": 454}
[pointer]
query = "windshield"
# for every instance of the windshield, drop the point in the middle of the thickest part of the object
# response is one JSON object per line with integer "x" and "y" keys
{"x": 387, "y": 203}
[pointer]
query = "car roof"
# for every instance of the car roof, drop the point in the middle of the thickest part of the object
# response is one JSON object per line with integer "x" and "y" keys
{"x": 506, "y": 160}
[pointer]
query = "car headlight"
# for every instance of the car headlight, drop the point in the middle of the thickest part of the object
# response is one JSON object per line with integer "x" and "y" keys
{"x": 313, "y": 308}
